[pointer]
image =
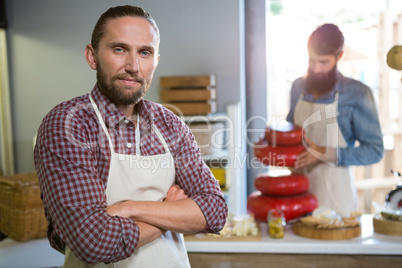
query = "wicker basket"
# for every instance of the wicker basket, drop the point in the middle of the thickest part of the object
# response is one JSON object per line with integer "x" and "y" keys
{"x": 21, "y": 209}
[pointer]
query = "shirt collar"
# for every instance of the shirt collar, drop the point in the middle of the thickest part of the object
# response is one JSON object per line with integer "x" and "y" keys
{"x": 112, "y": 116}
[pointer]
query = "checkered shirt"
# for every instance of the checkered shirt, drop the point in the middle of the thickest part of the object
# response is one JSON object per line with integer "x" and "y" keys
{"x": 72, "y": 158}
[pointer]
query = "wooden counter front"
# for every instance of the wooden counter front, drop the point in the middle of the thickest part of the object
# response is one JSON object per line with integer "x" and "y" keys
{"x": 367, "y": 250}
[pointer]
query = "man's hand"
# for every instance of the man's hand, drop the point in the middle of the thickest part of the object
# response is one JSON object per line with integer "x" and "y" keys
{"x": 148, "y": 232}
{"x": 307, "y": 158}
{"x": 175, "y": 193}
{"x": 177, "y": 213}
{"x": 120, "y": 208}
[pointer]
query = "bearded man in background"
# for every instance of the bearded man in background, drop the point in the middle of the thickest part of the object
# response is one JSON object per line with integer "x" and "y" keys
{"x": 340, "y": 121}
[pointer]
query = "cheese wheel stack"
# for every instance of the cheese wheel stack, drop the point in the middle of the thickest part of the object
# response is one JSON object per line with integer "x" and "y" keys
{"x": 285, "y": 190}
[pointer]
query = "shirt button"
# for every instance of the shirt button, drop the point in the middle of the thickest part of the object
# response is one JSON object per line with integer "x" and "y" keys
{"x": 129, "y": 145}
{"x": 126, "y": 121}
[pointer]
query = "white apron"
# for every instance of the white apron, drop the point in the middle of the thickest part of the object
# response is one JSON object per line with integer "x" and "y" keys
{"x": 140, "y": 178}
{"x": 332, "y": 185}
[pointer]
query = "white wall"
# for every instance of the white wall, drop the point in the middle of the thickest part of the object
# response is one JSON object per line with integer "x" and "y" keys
{"x": 46, "y": 41}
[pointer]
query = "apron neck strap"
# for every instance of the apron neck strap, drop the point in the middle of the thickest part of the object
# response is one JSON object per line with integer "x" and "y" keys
{"x": 138, "y": 137}
{"x": 98, "y": 114}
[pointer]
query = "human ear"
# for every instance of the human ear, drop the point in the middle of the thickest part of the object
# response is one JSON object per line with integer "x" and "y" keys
{"x": 156, "y": 62}
{"x": 90, "y": 56}
{"x": 339, "y": 56}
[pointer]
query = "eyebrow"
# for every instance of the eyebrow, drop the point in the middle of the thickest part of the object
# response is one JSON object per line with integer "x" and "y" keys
{"x": 150, "y": 48}
{"x": 117, "y": 44}
{"x": 124, "y": 45}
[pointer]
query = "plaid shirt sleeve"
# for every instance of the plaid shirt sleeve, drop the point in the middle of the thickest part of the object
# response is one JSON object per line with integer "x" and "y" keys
{"x": 73, "y": 190}
{"x": 192, "y": 174}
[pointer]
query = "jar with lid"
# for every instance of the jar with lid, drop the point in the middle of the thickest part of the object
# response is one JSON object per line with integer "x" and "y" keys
{"x": 276, "y": 223}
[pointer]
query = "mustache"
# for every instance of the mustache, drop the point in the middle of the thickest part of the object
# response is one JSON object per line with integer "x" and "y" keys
{"x": 130, "y": 77}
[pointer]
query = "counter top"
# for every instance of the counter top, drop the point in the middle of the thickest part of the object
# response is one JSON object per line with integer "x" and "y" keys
{"x": 31, "y": 253}
{"x": 369, "y": 243}
{"x": 38, "y": 253}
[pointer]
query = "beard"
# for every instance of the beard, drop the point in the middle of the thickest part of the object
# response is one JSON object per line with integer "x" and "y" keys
{"x": 321, "y": 82}
{"x": 117, "y": 94}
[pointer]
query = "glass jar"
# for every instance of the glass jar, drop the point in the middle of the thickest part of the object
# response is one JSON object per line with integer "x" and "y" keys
{"x": 276, "y": 223}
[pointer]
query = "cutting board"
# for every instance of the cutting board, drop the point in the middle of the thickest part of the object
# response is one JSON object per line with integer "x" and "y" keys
{"x": 308, "y": 231}
{"x": 388, "y": 227}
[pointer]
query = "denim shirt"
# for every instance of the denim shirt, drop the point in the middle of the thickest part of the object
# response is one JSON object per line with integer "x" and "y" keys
{"x": 357, "y": 119}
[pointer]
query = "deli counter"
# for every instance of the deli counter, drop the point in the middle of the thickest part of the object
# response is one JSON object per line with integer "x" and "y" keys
{"x": 370, "y": 249}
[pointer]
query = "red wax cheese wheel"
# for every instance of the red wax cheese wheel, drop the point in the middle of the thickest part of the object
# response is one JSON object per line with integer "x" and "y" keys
{"x": 292, "y": 207}
{"x": 280, "y": 156}
{"x": 284, "y": 134}
{"x": 282, "y": 185}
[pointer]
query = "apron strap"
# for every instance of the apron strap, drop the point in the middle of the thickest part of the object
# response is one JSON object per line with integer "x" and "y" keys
{"x": 98, "y": 114}
{"x": 138, "y": 137}
{"x": 161, "y": 139}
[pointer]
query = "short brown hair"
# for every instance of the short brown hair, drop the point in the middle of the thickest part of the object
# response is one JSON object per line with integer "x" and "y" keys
{"x": 119, "y": 12}
{"x": 326, "y": 39}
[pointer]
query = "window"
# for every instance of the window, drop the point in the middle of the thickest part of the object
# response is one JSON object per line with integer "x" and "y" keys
{"x": 371, "y": 28}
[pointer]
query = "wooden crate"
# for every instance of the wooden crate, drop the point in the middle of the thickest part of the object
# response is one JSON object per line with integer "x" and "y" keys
{"x": 189, "y": 95}
{"x": 192, "y": 108}
{"x": 204, "y": 94}
{"x": 187, "y": 81}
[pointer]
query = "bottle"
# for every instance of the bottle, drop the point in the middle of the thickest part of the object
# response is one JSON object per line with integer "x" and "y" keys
{"x": 276, "y": 223}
